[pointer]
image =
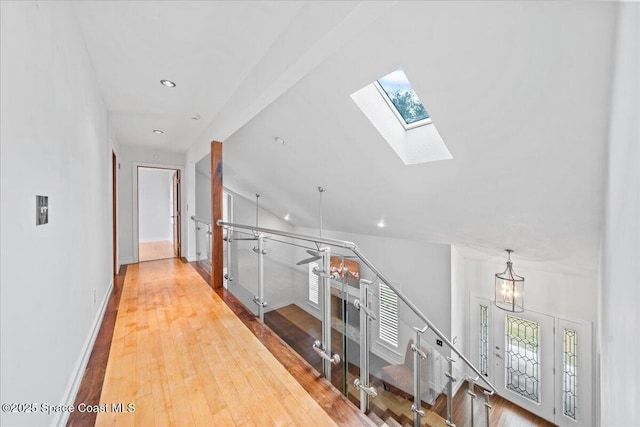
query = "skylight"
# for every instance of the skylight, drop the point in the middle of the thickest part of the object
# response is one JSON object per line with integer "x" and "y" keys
{"x": 394, "y": 109}
{"x": 403, "y": 100}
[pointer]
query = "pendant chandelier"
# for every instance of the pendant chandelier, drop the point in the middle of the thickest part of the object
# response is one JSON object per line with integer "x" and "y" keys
{"x": 509, "y": 289}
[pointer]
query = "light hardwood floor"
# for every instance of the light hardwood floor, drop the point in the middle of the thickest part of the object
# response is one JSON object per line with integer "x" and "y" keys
{"x": 183, "y": 358}
{"x": 151, "y": 251}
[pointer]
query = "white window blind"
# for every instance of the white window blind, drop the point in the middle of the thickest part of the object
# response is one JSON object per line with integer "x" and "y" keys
{"x": 313, "y": 283}
{"x": 388, "y": 308}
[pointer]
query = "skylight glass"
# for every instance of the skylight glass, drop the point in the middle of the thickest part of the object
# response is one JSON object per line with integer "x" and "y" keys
{"x": 398, "y": 89}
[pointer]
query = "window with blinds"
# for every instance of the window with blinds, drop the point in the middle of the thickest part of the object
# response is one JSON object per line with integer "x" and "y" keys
{"x": 313, "y": 283}
{"x": 388, "y": 315}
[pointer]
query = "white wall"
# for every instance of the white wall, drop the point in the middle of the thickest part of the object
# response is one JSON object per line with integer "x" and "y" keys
{"x": 129, "y": 157}
{"x": 620, "y": 282}
{"x": 54, "y": 142}
{"x": 155, "y": 204}
{"x": 203, "y": 195}
{"x": 546, "y": 291}
{"x": 459, "y": 306}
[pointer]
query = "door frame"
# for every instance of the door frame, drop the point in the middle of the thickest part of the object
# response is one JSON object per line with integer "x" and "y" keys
{"x": 176, "y": 210}
{"x": 134, "y": 203}
{"x": 114, "y": 209}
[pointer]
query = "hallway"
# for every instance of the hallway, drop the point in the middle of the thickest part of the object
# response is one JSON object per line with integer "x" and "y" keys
{"x": 182, "y": 357}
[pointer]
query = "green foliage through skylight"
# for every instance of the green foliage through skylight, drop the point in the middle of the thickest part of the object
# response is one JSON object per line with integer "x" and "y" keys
{"x": 398, "y": 89}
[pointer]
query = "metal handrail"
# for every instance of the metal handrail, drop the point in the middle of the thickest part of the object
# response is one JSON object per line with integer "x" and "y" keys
{"x": 202, "y": 220}
{"x": 357, "y": 252}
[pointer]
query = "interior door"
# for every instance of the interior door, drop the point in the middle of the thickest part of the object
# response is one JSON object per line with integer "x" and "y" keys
{"x": 176, "y": 214}
{"x": 523, "y": 350}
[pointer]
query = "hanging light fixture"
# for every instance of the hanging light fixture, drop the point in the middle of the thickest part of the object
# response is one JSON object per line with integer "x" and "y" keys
{"x": 509, "y": 289}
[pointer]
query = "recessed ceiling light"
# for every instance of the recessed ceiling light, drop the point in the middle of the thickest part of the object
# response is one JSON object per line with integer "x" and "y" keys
{"x": 381, "y": 223}
{"x": 158, "y": 131}
{"x": 287, "y": 217}
{"x": 279, "y": 140}
{"x": 168, "y": 83}
{"x": 195, "y": 117}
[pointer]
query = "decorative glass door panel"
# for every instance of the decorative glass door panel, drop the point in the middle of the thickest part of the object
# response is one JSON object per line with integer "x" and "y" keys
{"x": 573, "y": 374}
{"x": 523, "y": 350}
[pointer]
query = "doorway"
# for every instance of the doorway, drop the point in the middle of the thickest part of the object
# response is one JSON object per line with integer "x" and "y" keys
{"x": 159, "y": 216}
{"x": 541, "y": 362}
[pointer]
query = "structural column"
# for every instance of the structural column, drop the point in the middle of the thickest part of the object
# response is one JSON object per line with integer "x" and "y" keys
{"x": 216, "y": 214}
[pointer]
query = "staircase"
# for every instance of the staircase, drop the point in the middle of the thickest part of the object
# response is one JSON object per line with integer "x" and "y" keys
{"x": 334, "y": 336}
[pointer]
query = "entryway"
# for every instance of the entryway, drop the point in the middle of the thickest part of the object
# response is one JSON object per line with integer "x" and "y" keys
{"x": 158, "y": 213}
{"x": 541, "y": 362}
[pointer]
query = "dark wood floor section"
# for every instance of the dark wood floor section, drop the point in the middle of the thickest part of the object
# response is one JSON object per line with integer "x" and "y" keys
{"x": 504, "y": 413}
{"x": 93, "y": 378}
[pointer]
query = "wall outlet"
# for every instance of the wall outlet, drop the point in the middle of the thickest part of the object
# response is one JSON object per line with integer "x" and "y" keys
{"x": 439, "y": 342}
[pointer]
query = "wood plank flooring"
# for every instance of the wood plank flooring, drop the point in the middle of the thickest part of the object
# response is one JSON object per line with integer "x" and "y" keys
{"x": 151, "y": 251}
{"x": 92, "y": 380}
{"x": 182, "y": 357}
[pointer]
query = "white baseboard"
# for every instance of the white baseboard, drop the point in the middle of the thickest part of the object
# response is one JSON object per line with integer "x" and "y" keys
{"x": 191, "y": 258}
{"x": 127, "y": 260}
{"x": 71, "y": 391}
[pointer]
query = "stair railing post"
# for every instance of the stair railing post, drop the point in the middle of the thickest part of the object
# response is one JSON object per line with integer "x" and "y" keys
{"x": 418, "y": 355}
{"x": 451, "y": 380}
{"x": 197, "y": 240}
{"x": 261, "y": 253}
{"x": 229, "y": 239}
{"x": 487, "y": 406}
{"x": 364, "y": 345}
{"x": 325, "y": 281}
{"x": 472, "y": 395}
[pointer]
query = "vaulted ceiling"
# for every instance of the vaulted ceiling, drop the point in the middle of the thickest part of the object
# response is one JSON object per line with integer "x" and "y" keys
{"x": 519, "y": 92}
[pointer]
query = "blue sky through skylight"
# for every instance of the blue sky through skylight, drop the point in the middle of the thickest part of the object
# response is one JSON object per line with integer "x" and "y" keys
{"x": 398, "y": 89}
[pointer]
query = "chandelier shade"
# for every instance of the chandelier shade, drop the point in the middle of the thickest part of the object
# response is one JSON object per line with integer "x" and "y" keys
{"x": 509, "y": 289}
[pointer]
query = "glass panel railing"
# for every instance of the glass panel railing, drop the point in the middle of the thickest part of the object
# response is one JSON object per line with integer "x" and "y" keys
{"x": 393, "y": 364}
{"x": 326, "y": 300}
{"x": 292, "y": 294}
{"x": 203, "y": 242}
{"x": 244, "y": 269}
{"x": 345, "y": 322}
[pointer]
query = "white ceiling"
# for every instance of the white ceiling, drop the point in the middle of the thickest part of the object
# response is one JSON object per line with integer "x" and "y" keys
{"x": 519, "y": 92}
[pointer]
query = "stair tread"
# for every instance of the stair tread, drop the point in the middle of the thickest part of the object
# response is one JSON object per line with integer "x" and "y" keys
{"x": 376, "y": 419}
{"x": 391, "y": 422}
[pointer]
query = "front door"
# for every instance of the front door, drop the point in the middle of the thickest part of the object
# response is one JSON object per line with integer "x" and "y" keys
{"x": 523, "y": 350}
{"x": 176, "y": 214}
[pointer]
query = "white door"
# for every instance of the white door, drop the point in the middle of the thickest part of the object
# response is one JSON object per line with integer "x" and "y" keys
{"x": 523, "y": 359}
